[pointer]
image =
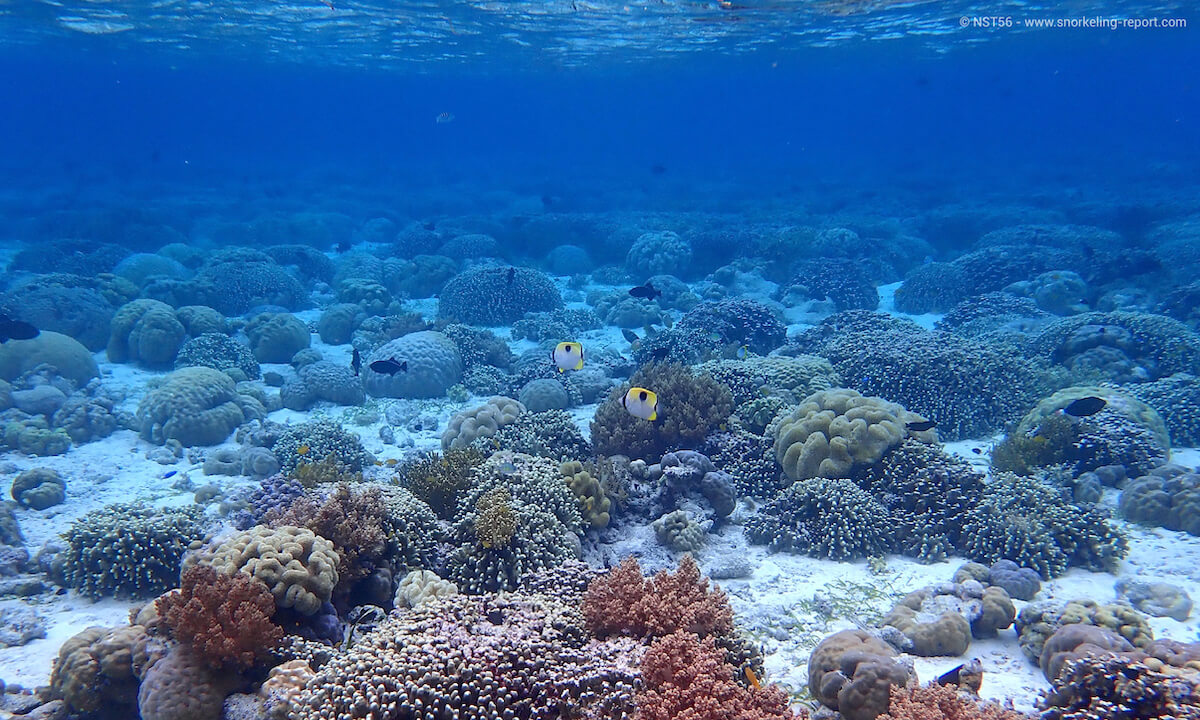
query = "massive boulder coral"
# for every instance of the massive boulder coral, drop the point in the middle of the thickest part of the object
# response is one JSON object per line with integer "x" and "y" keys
{"x": 67, "y": 356}
{"x": 95, "y": 673}
{"x": 656, "y": 253}
{"x": 147, "y": 332}
{"x": 737, "y": 322}
{"x": 276, "y": 337}
{"x": 481, "y": 421}
{"x": 322, "y": 380}
{"x": 854, "y": 673}
{"x": 296, "y": 564}
{"x": 434, "y": 364}
{"x": 69, "y": 304}
{"x": 241, "y": 279}
{"x": 497, "y": 295}
{"x": 1125, "y": 432}
{"x": 1120, "y": 346}
{"x": 836, "y": 431}
{"x": 196, "y": 406}
{"x": 1168, "y": 497}
{"x": 220, "y": 352}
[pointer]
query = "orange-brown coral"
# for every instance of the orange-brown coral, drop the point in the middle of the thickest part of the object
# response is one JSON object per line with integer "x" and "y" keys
{"x": 687, "y": 678}
{"x": 622, "y": 601}
{"x": 225, "y": 620}
{"x": 941, "y": 702}
{"x": 352, "y": 521}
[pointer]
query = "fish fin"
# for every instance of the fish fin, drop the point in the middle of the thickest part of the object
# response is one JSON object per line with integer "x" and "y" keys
{"x": 579, "y": 365}
{"x": 560, "y": 371}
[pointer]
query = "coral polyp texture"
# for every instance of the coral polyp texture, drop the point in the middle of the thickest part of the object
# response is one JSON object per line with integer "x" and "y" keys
{"x": 497, "y": 295}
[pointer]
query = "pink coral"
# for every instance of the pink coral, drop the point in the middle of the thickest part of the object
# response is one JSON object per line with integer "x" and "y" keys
{"x": 225, "y": 620}
{"x": 624, "y": 602}
{"x": 686, "y": 678}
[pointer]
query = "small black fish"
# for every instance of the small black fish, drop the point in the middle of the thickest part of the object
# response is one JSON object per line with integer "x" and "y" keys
{"x": 921, "y": 426}
{"x": 646, "y": 291}
{"x": 630, "y": 335}
{"x": 512, "y": 274}
{"x": 951, "y": 676}
{"x": 977, "y": 451}
{"x": 16, "y": 329}
{"x": 1085, "y": 406}
{"x": 660, "y": 354}
{"x": 356, "y": 362}
{"x": 389, "y": 366}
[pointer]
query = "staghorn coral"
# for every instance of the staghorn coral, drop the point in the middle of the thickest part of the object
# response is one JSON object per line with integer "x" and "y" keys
{"x": 1101, "y": 688}
{"x": 225, "y": 620}
{"x": 927, "y": 494}
{"x": 624, "y": 602}
{"x": 128, "y": 550}
{"x": 826, "y": 518}
{"x": 1021, "y": 519}
{"x": 970, "y": 387}
{"x": 690, "y": 405}
{"x": 747, "y": 458}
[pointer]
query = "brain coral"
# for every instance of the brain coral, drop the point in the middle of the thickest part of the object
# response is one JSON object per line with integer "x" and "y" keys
{"x": 62, "y": 352}
{"x": 299, "y": 566}
{"x": 196, "y": 406}
{"x": 480, "y": 421}
{"x": 835, "y": 431}
{"x": 497, "y": 295}
{"x": 434, "y": 364}
{"x": 147, "y": 332}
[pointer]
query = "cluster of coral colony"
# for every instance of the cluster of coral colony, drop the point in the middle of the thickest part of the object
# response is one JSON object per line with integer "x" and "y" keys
{"x": 405, "y": 479}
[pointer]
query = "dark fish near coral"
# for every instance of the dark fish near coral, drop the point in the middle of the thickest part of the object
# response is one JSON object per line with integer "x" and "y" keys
{"x": 356, "y": 362}
{"x": 512, "y": 274}
{"x": 389, "y": 367}
{"x": 660, "y": 354}
{"x": 950, "y": 677}
{"x": 1085, "y": 406}
{"x": 343, "y": 246}
{"x": 646, "y": 291}
{"x": 16, "y": 329}
{"x": 629, "y": 335}
{"x": 921, "y": 425}
{"x": 977, "y": 451}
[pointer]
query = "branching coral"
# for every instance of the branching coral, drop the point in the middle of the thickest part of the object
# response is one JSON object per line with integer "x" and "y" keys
{"x": 440, "y": 480}
{"x": 1111, "y": 686}
{"x": 942, "y": 702}
{"x": 685, "y": 677}
{"x": 624, "y": 602}
{"x": 226, "y": 620}
{"x": 689, "y": 406}
{"x": 826, "y": 518}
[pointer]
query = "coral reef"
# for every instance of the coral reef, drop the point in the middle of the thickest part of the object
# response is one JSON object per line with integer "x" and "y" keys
{"x": 38, "y": 488}
{"x": 225, "y": 621}
{"x": 128, "y": 550}
{"x": 297, "y": 565}
{"x": 67, "y": 356}
{"x": 690, "y": 405}
{"x": 433, "y": 363}
{"x": 441, "y": 480}
{"x": 195, "y": 406}
{"x": 482, "y": 421}
{"x": 826, "y": 518}
{"x": 146, "y": 332}
{"x": 1168, "y": 497}
{"x": 1023, "y": 520}
{"x": 219, "y": 352}
{"x": 276, "y": 337}
{"x": 624, "y": 602}
{"x": 320, "y": 441}
{"x": 322, "y": 381}
{"x": 833, "y": 432}
{"x": 736, "y": 322}
{"x": 551, "y": 434}
{"x": 497, "y": 295}
{"x": 856, "y": 674}
{"x": 1120, "y": 346}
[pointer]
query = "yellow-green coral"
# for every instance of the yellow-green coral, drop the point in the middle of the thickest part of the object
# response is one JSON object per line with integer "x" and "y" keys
{"x": 593, "y": 501}
{"x": 328, "y": 470}
{"x": 495, "y": 521}
{"x": 439, "y": 480}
